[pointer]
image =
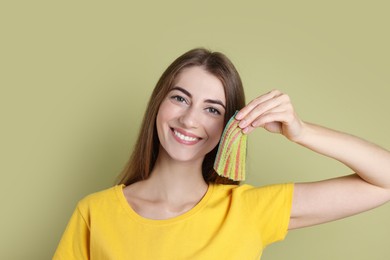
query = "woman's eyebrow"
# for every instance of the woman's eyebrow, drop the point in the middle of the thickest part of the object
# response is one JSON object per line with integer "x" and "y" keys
{"x": 182, "y": 90}
{"x": 215, "y": 101}
{"x": 211, "y": 101}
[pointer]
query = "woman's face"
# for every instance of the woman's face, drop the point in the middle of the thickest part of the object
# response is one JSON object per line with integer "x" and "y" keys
{"x": 190, "y": 119}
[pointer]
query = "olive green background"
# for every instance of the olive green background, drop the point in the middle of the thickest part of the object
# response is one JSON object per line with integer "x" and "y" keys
{"x": 76, "y": 77}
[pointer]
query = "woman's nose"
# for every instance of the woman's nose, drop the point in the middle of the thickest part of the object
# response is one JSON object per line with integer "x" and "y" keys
{"x": 189, "y": 118}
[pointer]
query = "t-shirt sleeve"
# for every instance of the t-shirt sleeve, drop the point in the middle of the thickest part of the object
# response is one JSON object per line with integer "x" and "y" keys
{"x": 74, "y": 243}
{"x": 270, "y": 208}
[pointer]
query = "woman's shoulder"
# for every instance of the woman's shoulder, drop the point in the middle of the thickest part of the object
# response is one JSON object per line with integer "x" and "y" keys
{"x": 101, "y": 198}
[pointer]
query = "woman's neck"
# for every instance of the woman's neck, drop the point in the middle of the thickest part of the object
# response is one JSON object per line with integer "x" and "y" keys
{"x": 172, "y": 180}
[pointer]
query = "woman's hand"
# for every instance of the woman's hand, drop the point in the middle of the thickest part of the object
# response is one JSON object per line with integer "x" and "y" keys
{"x": 274, "y": 112}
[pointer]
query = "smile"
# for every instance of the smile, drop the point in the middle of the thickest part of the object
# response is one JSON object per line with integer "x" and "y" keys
{"x": 184, "y": 137}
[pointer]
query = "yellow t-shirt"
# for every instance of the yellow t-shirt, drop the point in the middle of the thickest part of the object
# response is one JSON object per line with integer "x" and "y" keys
{"x": 230, "y": 222}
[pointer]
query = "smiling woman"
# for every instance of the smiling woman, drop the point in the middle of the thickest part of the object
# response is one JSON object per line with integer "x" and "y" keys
{"x": 170, "y": 203}
{"x": 193, "y": 115}
{"x": 219, "y": 70}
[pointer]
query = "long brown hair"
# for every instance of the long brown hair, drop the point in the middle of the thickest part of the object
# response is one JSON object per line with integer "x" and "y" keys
{"x": 146, "y": 148}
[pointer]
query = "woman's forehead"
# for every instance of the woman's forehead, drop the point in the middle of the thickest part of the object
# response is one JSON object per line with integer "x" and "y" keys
{"x": 197, "y": 78}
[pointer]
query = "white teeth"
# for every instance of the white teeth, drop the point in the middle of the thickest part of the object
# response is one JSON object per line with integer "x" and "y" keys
{"x": 184, "y": 137}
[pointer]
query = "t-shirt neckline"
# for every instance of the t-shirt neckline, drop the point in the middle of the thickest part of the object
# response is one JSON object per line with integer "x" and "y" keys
{"x": 134, "y": 215}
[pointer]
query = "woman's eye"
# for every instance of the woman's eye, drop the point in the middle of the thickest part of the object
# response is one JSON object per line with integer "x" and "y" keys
{"x": 213, "y": 110}
{"x": 178, "y": 99}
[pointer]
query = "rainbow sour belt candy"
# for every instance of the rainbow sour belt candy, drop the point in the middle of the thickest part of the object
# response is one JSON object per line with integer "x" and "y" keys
{"x": 231, "y": 155}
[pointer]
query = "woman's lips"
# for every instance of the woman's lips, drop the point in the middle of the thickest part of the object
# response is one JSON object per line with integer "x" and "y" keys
{"x": 184, "y": 137}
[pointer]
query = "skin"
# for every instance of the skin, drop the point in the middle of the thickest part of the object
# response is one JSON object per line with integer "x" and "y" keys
{"x": 176, "y": 184}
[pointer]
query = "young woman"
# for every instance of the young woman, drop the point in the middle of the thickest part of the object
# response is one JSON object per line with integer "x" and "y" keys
{"x": 170, "y": 203}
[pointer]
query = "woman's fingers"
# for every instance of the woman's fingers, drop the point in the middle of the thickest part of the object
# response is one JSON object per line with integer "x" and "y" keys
{"x": 273, "y": 112}
{"x": 274, "y": 101}
{"x": 254, "y": 103}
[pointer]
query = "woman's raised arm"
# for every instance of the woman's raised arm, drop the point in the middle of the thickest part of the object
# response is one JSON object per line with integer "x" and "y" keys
{"x": 327, "y": 200}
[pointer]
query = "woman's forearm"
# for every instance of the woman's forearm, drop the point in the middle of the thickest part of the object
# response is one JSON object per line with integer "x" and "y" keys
{"x": 369, "y": 161}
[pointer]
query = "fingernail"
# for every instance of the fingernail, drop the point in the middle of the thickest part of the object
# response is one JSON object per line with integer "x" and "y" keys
{"x": 245, "y": 130}
{"x": 238, "y": 116}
